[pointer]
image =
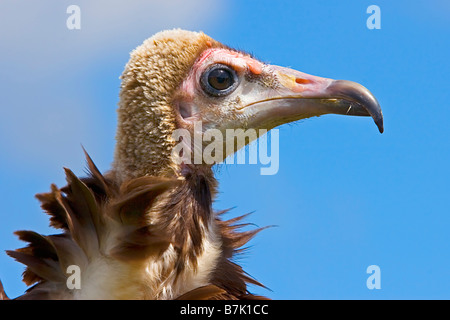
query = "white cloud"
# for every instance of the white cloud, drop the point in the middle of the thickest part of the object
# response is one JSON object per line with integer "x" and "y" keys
{"x": 39, "y": 27}
{"x": 45, "y": 106}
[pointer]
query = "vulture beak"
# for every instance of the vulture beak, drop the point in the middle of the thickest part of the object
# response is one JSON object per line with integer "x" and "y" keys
{"x": 300, "y": 95}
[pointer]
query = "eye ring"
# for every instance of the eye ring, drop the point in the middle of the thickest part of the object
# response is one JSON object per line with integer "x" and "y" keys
{"x": 219, "y": 80}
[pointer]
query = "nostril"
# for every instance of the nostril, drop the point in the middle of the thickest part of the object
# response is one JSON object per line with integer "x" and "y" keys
{"x": 302, "y": 81}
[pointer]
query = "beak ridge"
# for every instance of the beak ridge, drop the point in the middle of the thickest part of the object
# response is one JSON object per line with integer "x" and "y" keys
{"x": 331, "y": 96}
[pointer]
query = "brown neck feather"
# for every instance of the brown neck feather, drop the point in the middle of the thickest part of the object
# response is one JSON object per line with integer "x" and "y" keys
{"x": 154, "y": 212}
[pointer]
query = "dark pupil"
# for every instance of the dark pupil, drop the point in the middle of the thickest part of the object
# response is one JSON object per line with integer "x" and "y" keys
{"x": 220, "y": 79}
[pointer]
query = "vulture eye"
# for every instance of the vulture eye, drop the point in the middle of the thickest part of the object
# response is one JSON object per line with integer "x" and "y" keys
{"x": 219, "y": 80}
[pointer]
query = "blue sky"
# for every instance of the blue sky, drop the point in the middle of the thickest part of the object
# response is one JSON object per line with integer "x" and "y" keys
{"x": 345, "y": 197}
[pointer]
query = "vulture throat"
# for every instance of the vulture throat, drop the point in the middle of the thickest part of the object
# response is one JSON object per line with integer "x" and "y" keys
{"x": 146, "y": 228}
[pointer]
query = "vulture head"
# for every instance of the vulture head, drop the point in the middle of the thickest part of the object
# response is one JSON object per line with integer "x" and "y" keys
{"x": 178, "y": 78}
{"x": 146, "y": 229}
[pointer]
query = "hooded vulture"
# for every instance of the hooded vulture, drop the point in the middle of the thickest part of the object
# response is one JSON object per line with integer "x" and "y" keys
{"x": 146, "y": 228}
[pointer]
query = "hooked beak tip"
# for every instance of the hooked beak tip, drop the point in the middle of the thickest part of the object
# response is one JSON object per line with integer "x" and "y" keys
{"x": 359, "y": 97}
